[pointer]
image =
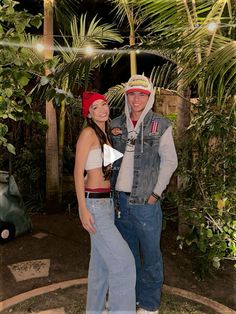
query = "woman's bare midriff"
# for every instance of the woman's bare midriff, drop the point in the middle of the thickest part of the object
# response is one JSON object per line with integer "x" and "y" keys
{"x": 95, "y": 179}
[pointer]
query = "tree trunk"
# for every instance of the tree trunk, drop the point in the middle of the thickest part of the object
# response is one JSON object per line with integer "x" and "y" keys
{"x": 182, "y": 122}
{"x": 51, "y": 150}
{"x": 183, "y": 113}
{"x": 133, "y": 62}
{"x": 133, "y": 59}
{"x": 61, "y": 146}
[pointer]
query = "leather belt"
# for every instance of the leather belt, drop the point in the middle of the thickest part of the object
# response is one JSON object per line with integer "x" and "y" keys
{"x": 98, "y": 194}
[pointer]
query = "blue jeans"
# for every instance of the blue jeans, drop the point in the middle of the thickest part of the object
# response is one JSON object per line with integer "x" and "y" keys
{"x": 112, "y": 265}
{"x": 140, "y": 226}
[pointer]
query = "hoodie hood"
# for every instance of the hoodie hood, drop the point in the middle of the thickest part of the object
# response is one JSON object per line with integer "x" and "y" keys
{"x": 134, "y": 131}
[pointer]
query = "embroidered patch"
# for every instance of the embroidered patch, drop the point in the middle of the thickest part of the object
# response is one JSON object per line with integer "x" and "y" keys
{"x": 154, "y": 126}
{"x": 116, "y": 131}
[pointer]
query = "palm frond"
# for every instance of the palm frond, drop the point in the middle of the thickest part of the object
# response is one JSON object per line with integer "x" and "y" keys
{"x": 64, "y": 11}
{"x": 217, "y": 71}
{"x": 74, "y": 58}
{"x": 162, "y": 76}
{"x": 115, "y": 96}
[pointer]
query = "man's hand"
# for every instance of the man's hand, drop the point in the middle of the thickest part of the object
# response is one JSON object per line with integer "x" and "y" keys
{"x": 152, "y": 199}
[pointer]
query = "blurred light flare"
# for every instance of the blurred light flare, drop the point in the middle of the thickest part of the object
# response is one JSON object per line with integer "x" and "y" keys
{"x": 39, "y": 47}
{"x": 212, "y": 26}
{"x": 89, "y": 50}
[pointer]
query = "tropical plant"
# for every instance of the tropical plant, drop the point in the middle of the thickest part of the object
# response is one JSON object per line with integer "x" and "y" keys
{"x": 16, "y": 70}
{"x": 208, "y": 194}
{"x": 200, "y": 39}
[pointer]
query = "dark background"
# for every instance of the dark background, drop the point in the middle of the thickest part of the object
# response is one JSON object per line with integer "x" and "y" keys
{"x": 108, "y": 76}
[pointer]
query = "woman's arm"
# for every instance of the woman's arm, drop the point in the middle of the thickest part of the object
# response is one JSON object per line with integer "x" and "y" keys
{"x": 84, "y": 144}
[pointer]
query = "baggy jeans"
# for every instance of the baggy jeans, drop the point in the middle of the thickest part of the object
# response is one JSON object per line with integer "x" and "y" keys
{"x": 112, "y": 266}
{"x": 140, "y": 226}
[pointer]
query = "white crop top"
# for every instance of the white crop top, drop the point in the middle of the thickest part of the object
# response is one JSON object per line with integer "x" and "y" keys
{"x": 94, "y": 159}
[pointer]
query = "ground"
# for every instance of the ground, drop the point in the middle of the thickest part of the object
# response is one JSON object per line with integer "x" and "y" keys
{"x": 66, "y": 245}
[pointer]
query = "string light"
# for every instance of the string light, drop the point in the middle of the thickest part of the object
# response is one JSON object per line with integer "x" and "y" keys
{"x": 89, "y": 50}
{"x": 212, "y": 27}
{"x": 39, "y": 47}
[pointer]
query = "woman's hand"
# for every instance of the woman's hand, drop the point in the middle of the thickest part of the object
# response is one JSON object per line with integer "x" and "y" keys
{"x": 87, "y": 220}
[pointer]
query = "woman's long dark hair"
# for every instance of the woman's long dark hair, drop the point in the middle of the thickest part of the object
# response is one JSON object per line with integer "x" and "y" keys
{"x": 104, "y": 138}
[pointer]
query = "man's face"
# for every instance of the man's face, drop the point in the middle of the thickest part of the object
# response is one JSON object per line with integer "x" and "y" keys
{"x": 137, "y": 101}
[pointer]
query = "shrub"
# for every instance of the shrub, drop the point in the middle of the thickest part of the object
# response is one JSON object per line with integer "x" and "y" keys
{"x": 208, "y": 195}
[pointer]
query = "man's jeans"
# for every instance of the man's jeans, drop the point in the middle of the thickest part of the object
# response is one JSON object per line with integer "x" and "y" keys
{"x": 140, "y": 226}
{"x": 112, "y": 265}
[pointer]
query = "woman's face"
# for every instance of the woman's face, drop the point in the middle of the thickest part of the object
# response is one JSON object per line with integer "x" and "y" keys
{"x": 99, "y": 111}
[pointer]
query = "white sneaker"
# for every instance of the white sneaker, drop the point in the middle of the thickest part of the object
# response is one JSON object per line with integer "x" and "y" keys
{"x": 143, "y": 311}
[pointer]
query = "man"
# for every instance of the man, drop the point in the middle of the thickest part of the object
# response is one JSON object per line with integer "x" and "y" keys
{"x": 139, "y": 179}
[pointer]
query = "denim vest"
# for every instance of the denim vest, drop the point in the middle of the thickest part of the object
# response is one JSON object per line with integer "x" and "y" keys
{"x": 146, "y": 161}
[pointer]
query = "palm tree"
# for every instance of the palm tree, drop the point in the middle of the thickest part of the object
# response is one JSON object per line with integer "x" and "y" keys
{"x": 127, "y": 8}
{"x": 51, "y": 149}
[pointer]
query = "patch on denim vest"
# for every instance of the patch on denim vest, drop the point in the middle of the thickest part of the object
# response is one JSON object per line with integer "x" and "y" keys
{"x": 154, "y": 126}
{"x": 116, "y": 131}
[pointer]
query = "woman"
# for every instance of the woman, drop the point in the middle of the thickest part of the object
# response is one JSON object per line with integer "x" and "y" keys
{"x": 112, "y": 266}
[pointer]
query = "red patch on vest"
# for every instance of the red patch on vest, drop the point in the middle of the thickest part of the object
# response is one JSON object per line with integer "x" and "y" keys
{"x": 154, "y": 126}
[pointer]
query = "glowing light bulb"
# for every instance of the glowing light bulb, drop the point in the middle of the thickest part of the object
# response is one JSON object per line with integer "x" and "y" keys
{"x": 89, "y": 50}
{"x": 39, "y": 47}
{"x": 212, "y": 26}
{"x": 137, "y": 51}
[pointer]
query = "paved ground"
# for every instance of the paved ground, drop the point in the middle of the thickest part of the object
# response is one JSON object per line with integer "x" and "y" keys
{"x": 58, "y": 251}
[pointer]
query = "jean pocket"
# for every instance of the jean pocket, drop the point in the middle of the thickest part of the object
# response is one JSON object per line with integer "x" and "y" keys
{"x": 148, "y": 204}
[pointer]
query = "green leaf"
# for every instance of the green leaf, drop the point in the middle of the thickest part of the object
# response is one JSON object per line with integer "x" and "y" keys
{"x": 11, "y": 148}
{"x": 8, "y": 92}
{"x": 44, "y": 80}
{"x": 28, "y": 100}
{"x": 36, "y": 21}
{"x": 12, "y": 117}
{"x": 23, "y": 81}
{"x": 209, "y": 233}
{"x": 3, "y": 129}
{"x": 216, "y": 262}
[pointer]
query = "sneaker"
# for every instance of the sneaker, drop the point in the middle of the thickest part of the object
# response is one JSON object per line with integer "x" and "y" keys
{"x": 143, "y": 311}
